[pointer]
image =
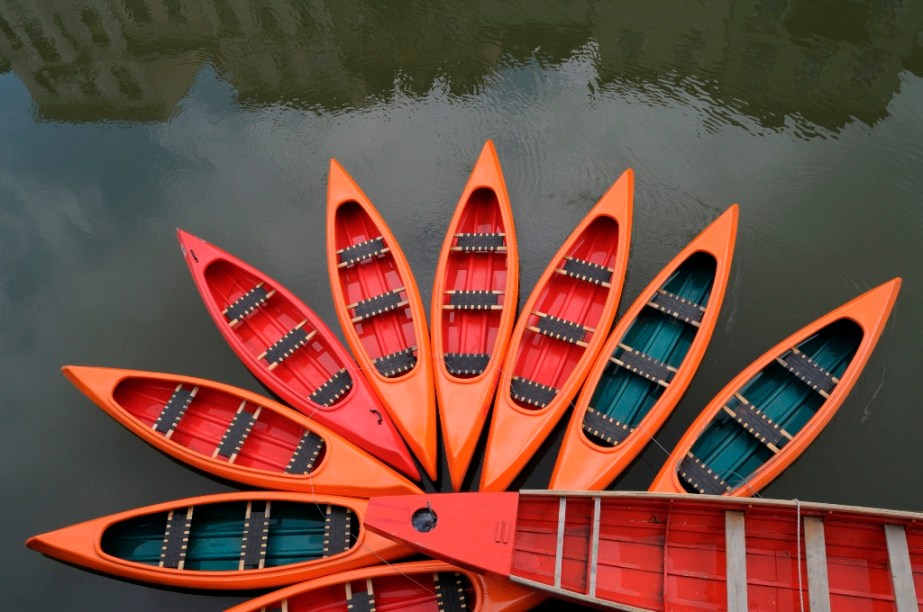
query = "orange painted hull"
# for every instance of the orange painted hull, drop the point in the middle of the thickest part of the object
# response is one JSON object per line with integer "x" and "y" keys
{"x": 283, "y": 450}
{"x": 470, "y": 339}
{"x": 381, "y": 313}
{"x": 868, "y": 313}
{"x": 557, "y": 336}
{"x": 584, "y": 463}
{"x": 91, "y": 544}
{"x": 313, "y": 373}
{"x": 402, "y": 586}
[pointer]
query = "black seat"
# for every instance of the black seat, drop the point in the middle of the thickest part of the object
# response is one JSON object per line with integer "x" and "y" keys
{"x": 338, "y": 530}
{"x": 247, "y": 303}
{"x": 586, "y": 271}
{"x": 285, "y": 347}
{"x": 176, "y": 538}
{"x": 174, "y": 410}
{"x": 701, "y": 477}
{"x": 362, "y": 251}
{"x": 363, "y": 601}
{"x": 255, "y": 537}
{"x": 808, "y": 371}
{"x": 604, "y": 427}
{"x": 466, "y": 364}
{"x": 643, "y": 365}
{"x": 236, "y": 433}
{"x": 531, "y": 392}
{"x": 332, "y": 389}
{"x": 396, "y": 363}
{"x": 473, "y": 300}
{"x": 480, "y": 243}
{"x": 678, "y": 307}
{"x": 560, "y": 329}
{"x": 757, "y": 423}
{"x": 376, "y": 305}
{"x": 450, "y": 592}
{"x": 306, "y": 453}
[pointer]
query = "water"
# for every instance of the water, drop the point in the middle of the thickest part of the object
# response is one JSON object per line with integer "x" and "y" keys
{"x": 120, "y": 121}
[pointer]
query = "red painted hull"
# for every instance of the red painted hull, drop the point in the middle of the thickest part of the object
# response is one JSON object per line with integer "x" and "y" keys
{"x": 585, "y": 464}
{"x": 869, "y": 312}
{"x": 319, "y": 367}
{"x": 644, "y": 551}
{"x": 93, "y": 544}
{"x": 475, "y": 296}
{"x": 381, "y": 313}
{"x": 558, "y": 334}
{"x": 420, "y": 586}
{"x": 282, "y": 449}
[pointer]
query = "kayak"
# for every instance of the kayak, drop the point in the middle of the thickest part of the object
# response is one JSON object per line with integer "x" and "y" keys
{"x": 648, "y": 362}
{"x": 236, "y": 434}
{"x": 769, "y": 413}
{"x": 475, "y": 296}
{"x": 291, "y": 351}
{"x": 227, "y": 541}
{"x": 381, "y": 312}
{"x": 644, "y": 551}
{"x": 561, "y": 329}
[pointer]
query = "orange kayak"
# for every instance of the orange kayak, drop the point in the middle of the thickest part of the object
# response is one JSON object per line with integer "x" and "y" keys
{"x": 768, "y": 415}
{"x": 648, "y": 362}
{"x": 244, "y": 540}
{"x": 235, "y": 434}
{"x": 381, "y": 313}
{"x": 475, "y": 295}
{"x": 419, "y": 586}
{"x": 557, "y": 336}
{"x": 291, "y": 351}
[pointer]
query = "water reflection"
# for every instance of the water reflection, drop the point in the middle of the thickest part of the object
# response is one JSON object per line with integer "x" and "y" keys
{"x": 820, "y": 64}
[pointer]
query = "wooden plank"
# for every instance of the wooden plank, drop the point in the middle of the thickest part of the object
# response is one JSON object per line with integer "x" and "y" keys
{"x": 815, "y": 549}
{"x": 905, "y": 595}
{"x": 735, "y": 548}
{"x": 559, "y": 547}
{"x": 594, "y": 546}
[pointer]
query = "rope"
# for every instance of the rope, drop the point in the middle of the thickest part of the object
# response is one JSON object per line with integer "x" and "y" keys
{"x": 798, "y": 540}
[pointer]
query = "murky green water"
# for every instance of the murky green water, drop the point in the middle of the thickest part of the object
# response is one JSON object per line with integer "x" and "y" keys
{"x": 120, "y": 121}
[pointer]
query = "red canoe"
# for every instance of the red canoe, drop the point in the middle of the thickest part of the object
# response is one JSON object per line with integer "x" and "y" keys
{"x": 419, "y": 586}
{"x": 381, "y": 313}
{"x": 768, "y": 415}
{"x": 558, "y": 334}
{"x": 236, "y": 434}
{"x": 287, "y": 346}
{"x": 245, "y": 540}
{"x": 648, "y": 362}
{"x": 475, "y": 295}
{"x": 643, "y": 551}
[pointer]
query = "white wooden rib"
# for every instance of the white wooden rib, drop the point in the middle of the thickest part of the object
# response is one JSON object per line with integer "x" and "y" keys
{"x": 594, "y": 546}
{"x": 735, "y": 547}
{"x": 905, "y": 595}
{"x": 559, "y": 547}
{"x": 815, "y": 549}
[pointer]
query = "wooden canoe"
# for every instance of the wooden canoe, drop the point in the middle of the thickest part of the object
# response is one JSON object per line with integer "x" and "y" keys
{"x": 418, "y": 586}
{"x": 291, "y": 351}
{"x": 228, "y": 541}
{"x": 236, "y": 434}
{"x": 475, "y": 296}
{"x": 558, "y": 334}
{"x": 765, "y": 417}
{"x": 648, "y": 362}
{"x": 644, "y": 551}
{"x": 381, "y": 313}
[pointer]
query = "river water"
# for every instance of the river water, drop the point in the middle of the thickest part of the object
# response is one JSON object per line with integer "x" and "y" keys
{"x": 121, "y": 121}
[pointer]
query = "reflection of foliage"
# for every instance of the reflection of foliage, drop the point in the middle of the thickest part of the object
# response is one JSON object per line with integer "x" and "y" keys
{"x": 770, "y": 59}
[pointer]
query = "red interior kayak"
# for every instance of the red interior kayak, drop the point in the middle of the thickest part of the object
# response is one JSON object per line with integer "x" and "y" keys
{"x": 475, "y": 296}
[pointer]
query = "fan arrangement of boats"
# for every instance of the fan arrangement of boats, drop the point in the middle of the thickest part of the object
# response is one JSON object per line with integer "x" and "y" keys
{"x": 342, "y": 464}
